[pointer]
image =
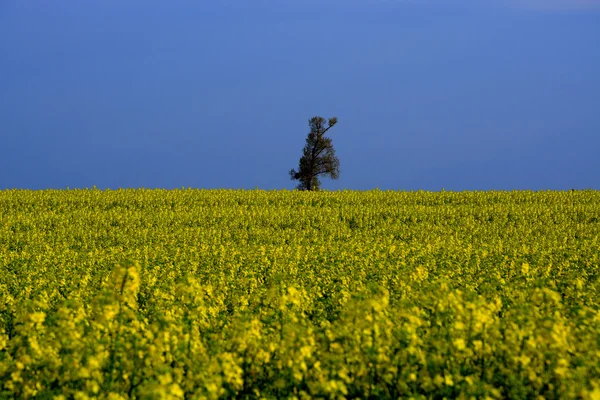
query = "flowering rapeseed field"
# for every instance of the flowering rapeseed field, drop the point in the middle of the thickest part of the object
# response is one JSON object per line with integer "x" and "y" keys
{"x": 278, "y": 294}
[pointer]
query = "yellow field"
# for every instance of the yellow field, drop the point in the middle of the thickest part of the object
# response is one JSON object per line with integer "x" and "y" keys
{"x": 283, "y": 294}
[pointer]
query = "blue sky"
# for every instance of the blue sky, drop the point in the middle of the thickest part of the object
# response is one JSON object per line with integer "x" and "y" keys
{"x": 461, "y": 95}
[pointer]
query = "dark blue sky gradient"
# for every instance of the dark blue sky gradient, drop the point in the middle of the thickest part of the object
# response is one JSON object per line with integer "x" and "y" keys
{"x": 217, "y": 94}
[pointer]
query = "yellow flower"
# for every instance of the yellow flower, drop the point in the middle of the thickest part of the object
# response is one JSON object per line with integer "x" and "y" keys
{"x": 37, "y": 317}
{"x": 448, "y": 380}
{"x": 460, "y": 344}
{"x": 594, "y": 394}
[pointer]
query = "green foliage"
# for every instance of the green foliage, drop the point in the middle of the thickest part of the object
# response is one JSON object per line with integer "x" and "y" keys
{"x": 296, "y": 294}
{"x": 318, "y": 156}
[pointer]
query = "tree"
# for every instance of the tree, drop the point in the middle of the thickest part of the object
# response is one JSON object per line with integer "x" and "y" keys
{"x": 318, "y": 156}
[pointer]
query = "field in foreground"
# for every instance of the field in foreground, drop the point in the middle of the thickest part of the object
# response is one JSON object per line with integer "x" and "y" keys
{"x": 219, "y": 294}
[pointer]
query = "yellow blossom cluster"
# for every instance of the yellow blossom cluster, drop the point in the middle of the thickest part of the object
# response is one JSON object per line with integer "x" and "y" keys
{"x": 209, "y": 294}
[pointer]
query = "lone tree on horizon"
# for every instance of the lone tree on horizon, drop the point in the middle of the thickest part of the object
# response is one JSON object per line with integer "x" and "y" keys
{"x": 318, "y": 156}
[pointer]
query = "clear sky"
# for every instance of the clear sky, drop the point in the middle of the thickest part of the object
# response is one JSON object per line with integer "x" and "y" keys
{"x": 430, "y": 94}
